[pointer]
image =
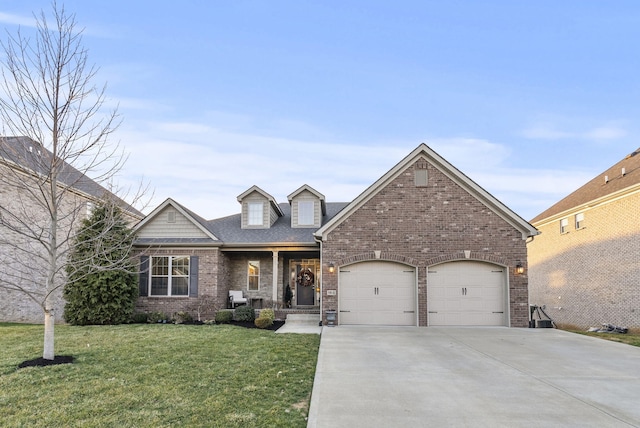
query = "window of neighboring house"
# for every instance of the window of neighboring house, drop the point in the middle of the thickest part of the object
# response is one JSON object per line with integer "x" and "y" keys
{"x": 170, "y": 276}
{"x": 579, "y": 221}
{"x": 305, "y": 213}
{"x": 253, "y": 273}
{"x": 255, "y": 214}
{"x": 90, "y": 207}
{"x": 564, "y": 225}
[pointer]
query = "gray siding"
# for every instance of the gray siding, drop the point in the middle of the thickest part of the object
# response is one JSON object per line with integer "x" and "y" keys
{"x": 317, "y": 211}
{"x": 162, "y": 227}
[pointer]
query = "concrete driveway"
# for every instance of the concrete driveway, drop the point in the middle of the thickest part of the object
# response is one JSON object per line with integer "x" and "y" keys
{"x": 475, "y": 377}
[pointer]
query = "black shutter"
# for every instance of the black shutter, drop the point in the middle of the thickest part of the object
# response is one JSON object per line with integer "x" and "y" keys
{"x": 143, "y": 285}
{"x": 193, "y": 276}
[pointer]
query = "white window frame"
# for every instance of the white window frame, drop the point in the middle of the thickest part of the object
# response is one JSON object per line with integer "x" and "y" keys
{"x": 172, "y": 272}
{"x": 253, "y": 276}
{"x": 89, "y": 209}
{"x": 579, "y": 221}
{"x": 306, "y": 213}
{"x": 255, "y": 213}
{"x": 564, "y": 225}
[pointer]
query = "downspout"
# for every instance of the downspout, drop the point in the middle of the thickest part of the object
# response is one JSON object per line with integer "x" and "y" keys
{"x": 319, "y": 241}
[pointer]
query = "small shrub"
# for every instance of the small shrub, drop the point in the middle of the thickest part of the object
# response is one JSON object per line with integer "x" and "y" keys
{"x": 140, "y": 318}
{"x": 224, "y": 317}
{"x": 155, "y": 317}
{"x": 182, "y": 317}
{"x": 265, "y": 319}
{"x": 244, "y": 313}
{"x": 261, "y": 322}
{"x": 267, "y": 313}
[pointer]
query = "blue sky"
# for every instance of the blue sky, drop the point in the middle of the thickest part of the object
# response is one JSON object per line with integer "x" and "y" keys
{"x": 529, "y": 99}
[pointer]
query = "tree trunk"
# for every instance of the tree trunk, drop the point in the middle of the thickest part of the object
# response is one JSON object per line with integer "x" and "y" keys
{"x": 49, "y": 322}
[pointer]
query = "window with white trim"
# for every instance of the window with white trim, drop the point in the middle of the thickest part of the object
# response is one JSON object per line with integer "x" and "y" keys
{"x": 253, "y": 275}
{"x": 579, "y": 221}
{"x": 305, "y": 213}
{"x": 564, "y": 225}
{"x": 169, "y": 276}
{"x": 255, "y": 214}
{"x": 90, "y": 207}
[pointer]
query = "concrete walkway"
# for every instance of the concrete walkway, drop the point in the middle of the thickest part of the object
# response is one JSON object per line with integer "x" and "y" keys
{"x": 473, "y": 377}
{"x": 301, "y": 323}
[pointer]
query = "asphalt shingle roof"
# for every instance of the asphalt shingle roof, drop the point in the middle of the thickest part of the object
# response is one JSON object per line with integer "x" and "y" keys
{"x": 32, "y": 156}
{"x": 598, "y": 187}
{"x": 229, "y": 230}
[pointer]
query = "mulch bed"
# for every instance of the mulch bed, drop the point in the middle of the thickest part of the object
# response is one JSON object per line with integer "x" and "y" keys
{"x": 40, "y": 362}
{"x": 250, "y": 324}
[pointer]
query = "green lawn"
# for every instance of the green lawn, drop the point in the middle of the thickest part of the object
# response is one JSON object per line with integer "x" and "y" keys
{"x": 630, "y": 338}
{"x": 157, "y": 376}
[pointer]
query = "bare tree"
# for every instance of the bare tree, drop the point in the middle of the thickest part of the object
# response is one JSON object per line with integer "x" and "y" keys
{"x": 48, "y": 99}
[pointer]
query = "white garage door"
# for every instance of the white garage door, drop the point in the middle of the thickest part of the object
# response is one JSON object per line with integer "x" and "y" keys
{"x": 377, "y": 293}
{"x": 466, "y": 293}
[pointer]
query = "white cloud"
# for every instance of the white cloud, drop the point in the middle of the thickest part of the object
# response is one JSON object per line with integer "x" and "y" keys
{"x": 605, "y": 133}
{"x": 551, "y": 132}
{"x": 25, "y": 21}
{"x": 206, "y": 167}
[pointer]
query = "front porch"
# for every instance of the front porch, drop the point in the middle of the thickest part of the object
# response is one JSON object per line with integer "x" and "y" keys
{"x": 287, "y": 281}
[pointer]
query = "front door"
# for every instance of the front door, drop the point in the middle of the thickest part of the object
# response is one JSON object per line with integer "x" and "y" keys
{"x": 304, "y": 275}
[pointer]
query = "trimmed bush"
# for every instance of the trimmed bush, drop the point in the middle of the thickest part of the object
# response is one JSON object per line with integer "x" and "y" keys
{"x": 267, "y": 313}
{"x": 182, "y": 317}
{"x": 224, "y": 317}
{"x": 156, "y": 317}
{"x": 263, "y": 322}
{"x": 265, "y": 319}
{"x": 244, "y": 313}
{"x": 140, "y": 318}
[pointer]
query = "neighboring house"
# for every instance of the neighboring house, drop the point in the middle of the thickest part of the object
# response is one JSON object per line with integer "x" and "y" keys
{"x": 423, "y": 245}
{"x": 585, "y": 266}
{"x": 27, "y": 158}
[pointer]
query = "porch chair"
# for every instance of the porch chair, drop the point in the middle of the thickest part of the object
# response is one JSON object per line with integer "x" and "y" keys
{"x": 236, "y": 298}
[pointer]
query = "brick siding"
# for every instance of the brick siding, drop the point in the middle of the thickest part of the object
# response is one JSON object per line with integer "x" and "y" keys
{"x": 423, "y": 226}
{"x": 590, "y": 276}
{"x": 212, "y": 277}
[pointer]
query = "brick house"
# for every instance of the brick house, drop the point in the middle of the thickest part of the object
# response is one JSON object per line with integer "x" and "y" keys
{"x": 23, "y": 160}
{"x": 423, "y": 245}
{"x": 584, "y": 267}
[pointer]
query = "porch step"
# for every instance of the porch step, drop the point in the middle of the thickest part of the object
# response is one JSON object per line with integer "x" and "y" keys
{"x": 313, "y": 319}
{"x": 301, "y": 323}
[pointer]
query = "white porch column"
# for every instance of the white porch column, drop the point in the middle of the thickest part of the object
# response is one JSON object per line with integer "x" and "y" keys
{"x": 275, "y": 278}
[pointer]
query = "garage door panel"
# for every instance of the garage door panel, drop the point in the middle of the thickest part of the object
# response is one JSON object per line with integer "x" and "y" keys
{"x": 466, "y": 293}
{"x": 377, "y": 293}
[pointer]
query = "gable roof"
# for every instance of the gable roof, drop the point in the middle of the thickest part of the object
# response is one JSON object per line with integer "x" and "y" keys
{"x": 197, "y": 221}
{"x": 306, "y": 187}
{"x": 267, "y": 196}
{"x": 450, "y": 171}
{"x": 31, "y": 157}
{"x": 228, "y": 232}
{"x": 610, "y": 183}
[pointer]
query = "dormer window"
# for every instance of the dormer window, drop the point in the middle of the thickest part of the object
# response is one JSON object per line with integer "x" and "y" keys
{"x": 255, "y": 214}
{"x": 306, "y": 213}
{"x": 259, "y": 209}
{"x": 307, "y": 207}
